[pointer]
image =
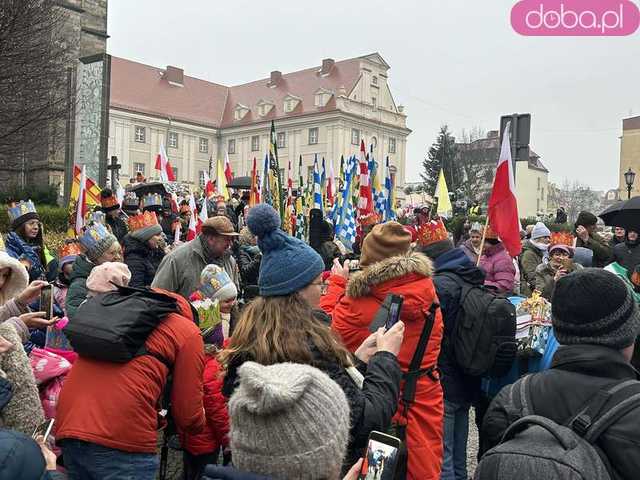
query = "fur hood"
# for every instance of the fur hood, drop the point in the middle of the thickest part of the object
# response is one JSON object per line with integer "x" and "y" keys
{"x": 360, "y": 283}
{"x": 18, "y": 280}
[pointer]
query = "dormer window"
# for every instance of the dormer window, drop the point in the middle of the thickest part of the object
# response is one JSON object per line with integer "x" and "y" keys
{"x": 322, "y": 97}
{"x": 264, "y": 108}
{"x": 240, "y": 112}
{"x": 290, "y": 103}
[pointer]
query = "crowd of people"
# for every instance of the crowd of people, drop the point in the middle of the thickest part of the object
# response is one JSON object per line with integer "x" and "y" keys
{"x": 253, "y": 351}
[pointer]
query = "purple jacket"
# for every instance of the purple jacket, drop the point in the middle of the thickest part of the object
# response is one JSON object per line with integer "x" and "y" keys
{"x": 498, "y": 267}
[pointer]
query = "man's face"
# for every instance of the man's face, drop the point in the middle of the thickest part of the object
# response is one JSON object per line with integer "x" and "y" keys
{"x": 218, "y": 244}
{"x": 591, "y": 229}
{"x": 619, "y": 232}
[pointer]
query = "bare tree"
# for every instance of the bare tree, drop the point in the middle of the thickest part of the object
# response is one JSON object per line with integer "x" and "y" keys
{"x": 477, "y": 156}
{"x": 33, "y": 81}
{"x": 575, "y": 197}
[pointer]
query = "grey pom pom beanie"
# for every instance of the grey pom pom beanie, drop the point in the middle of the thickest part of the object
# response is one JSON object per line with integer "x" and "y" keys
{"x": 288, "y": 421}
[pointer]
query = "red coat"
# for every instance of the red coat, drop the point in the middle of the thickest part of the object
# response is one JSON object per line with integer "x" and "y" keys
{"x": 215, "y": 433}
{"x": 353, "y": 306}
{"x": 116, "y": 404}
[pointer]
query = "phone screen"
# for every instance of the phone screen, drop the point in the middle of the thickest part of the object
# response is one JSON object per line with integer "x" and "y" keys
{"x": 43, "y": 429}
{"x": 380, "y": 459}
{"x": 394, "y": 311}
{"x": 46, "y": 301}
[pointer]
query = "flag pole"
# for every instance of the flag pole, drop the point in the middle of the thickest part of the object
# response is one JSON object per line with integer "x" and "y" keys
{"x": 484, "y": 237}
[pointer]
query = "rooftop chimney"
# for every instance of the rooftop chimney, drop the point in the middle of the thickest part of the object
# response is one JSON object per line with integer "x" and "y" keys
{"x": 276, "y": 78}
{"x": 327, "y": 65}
{"x": 174, "y": 75}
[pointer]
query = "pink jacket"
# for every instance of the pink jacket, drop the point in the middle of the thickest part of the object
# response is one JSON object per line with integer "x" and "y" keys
{"x": 498, "y": 267}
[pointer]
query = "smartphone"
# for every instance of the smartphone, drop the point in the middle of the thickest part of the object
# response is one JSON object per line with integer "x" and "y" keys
{"x": 43, "y": 429}
{"x": 395, "y": 306}
{"x": 46, "y": 301}
{"x": 354, "y": 265}
{"x": 380, "y": 458}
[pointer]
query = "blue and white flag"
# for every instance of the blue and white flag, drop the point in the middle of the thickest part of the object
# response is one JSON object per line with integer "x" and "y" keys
{"x": 317, "y": 187}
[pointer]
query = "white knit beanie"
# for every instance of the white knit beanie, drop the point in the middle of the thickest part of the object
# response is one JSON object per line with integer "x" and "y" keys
{"x": 288, "y": 421}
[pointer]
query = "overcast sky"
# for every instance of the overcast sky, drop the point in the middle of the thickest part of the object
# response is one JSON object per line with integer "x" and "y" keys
{"x": 452, "y": 61}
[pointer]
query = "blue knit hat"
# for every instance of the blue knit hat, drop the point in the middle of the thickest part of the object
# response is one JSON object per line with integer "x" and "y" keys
{"x": 288, "y": 264}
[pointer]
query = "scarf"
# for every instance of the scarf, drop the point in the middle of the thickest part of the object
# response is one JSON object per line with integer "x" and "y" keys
{"x": 543, "y": 247}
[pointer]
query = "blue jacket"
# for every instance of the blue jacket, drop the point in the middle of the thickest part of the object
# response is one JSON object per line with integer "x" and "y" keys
{"x": 458, "y": 387}
{"x": 21, "y": 458}
{"x": 17, "y": 248}
{"x": 214, "y": 472}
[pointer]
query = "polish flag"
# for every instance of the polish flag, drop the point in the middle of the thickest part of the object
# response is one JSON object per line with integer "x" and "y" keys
{"x": 193, "y": 226}
{"x": 331, "y": 181}
{"x": 208, "y": 186}
{"x": 81, "y": 207}
{"x": 163, "y": 165}
{"x": 365, "y": 201}
{"x": 503, "y": 206}
{"x": 227, "y": 168}
{"x": 203, "y": 215}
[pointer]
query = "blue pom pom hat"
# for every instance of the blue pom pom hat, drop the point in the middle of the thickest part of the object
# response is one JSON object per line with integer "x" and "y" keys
{"x": 288, "y": 264}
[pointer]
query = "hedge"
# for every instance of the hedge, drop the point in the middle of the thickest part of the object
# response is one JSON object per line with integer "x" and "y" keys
{"x": 39, "y": 194}
{"x": 54, "y": 219}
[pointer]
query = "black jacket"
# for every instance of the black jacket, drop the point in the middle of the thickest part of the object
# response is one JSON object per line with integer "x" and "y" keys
{"x": 118, "y": 227}
{"x": 457, "y": 387}
{"x": 577, "y": 373}
{"x": 249, "y": 259}
{"x": 141, "y": 260}
{"x": 370, "y": 408}
{"x": 627, "y": 255}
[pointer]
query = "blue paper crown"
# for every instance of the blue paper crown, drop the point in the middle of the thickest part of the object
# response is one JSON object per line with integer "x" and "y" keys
{"x": 215, "y": 283}
{"x": 152, "y": 200}
{"x": 21, "y": 209}
{"x": 93, "y": 235}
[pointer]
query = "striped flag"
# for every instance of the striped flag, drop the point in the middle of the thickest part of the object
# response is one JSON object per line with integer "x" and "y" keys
{"x": 331, "y": 186}
{"x": 254, "y": 195}
{"x": 193, "y": 225}
{"x": 290, "y": 218}
{"x": 163, "y": 165}
{"x": 317, "y": 188}
{"x": 388, "y": 190}
{"x": 365, "y": 199}
{"x": 263, "y": 191}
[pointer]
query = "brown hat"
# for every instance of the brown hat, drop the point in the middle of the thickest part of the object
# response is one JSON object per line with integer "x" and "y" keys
{"x": 218, "y": 225}
{"x": 385, "y": 240}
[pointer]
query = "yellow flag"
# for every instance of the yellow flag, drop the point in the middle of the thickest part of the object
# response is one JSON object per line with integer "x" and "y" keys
{"x": 221, "y": 181}
{"x": 444, "y": 203}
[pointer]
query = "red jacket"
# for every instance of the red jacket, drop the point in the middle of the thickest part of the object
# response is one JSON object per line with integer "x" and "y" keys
{"x": 353, "y": 307}
{"x": 215, "y": 433}
{"x": 116, "y": 404}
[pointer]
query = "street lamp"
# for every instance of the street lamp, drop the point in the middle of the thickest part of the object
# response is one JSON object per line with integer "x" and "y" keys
{"x": 629, "y": 178}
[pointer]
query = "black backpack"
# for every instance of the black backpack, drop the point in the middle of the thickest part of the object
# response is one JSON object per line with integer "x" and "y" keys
{"x": 484, "y": 339}
{"x": 536, "y": 447}
{"x": 114, "y": 326}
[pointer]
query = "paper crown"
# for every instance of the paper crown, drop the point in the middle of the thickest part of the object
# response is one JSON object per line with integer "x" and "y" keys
{"x": 151, "y": 200}
{"x": 217, "y": 281}
{"x": 562, "y": 238}
{"x": 23, "y": 208}
{"x": 69, "y": 250}
{"x": 131, "y": 201}
{"x": 369, "y": 219}
{"x": 476, "y": 227}
{"x": 110, "y": 202}
{"x": 432, "y": 232}
{"x": 490, "y": 233}
{"x": 98, "y": 217}
{"x": 142, "y": 220}
{"x": 93, "y": 234}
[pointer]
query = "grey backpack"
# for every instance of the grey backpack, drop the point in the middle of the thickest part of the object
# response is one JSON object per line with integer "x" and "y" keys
{"x": 536, "y": 447}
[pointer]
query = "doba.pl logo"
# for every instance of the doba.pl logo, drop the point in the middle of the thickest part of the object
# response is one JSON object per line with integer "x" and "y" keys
{"x": 587, "y": 18}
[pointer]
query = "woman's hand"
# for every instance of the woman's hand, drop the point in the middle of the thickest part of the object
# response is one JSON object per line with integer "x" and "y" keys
{"x": 36, "y": 320}
{"x": 354, "y": 471}
{"x": 391, "y": 340}
{"x": 340, "y": 270}
{"x": 31, "y": 293}
{"x": 583, "y": 233}
{"x": 5, "y": 345}
{"x": 559, "y": 274}
{"x": 368, "y": 348}
{"x": 49, "y": 457}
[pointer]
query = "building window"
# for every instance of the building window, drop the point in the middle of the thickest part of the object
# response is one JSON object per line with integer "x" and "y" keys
{"x": 173, "y": 139}
{"x": 255, "y": 143}
{"x": 282, "y": 140}
{"x": 138, "y": 167}
{"x": 374, "y": 102}
{"x": 310, "y": 175}
{"x": 313, "y": 136}
{"x": 204, "y": 145}
{"x": 141, "y": 134}
{"x": 392, "y": 145}
{"x": 537, "y": 205}
{"x": 542, "y": 194}
{"x": 231, "y": 146}
{"x": 355, "y": 136}
{"x": 374, "y": 80}
{"x": 175, "y": 172}
{"x": 538, "y": 183}
{"x": 201, "y": 179}
{"x": 374, "y": 142}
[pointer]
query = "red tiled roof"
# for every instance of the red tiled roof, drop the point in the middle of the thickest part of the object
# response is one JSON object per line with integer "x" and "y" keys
{"x": 141, "y": 88}
{"x": 303, "y": 84}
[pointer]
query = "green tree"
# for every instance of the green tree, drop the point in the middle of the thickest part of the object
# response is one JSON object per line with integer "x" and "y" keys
{"x": 442, "y": 154}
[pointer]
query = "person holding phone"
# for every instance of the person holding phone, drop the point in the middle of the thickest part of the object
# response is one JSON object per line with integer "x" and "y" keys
{"x": 26, "y": 458}
{"x": 279, "y": 326}
{"x": 352, "y": 300}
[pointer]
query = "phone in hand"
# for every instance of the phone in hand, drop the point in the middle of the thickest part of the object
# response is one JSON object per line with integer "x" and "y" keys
{"x": 43, "y": 429}
{"x": 46, "y": 301}
{"x": 395, "y": 306}
{"x": 381, "y": 457}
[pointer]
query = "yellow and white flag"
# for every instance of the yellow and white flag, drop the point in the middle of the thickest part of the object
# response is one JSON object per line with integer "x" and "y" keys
{"x": 444, "y": 203}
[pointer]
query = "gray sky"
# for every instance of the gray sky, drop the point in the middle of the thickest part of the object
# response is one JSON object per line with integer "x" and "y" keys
{"x": 452, "y": 61}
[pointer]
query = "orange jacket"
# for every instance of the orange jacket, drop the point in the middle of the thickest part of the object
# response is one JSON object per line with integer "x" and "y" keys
{"x": 116, "y": 404}
{"x": 353, "y": 306}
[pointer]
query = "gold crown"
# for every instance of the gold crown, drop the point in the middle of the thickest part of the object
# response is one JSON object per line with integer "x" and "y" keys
{"x": 109, "y": 202}
{"x": 70, "y": 247}
{"x": 143, "y": 220}
{"x": 432, "y": 232}
{"x": 562, "y": 238}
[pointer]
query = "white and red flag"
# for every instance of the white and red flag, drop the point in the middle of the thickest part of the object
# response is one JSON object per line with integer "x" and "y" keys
{"x": 163, "y": 165}
{"x": 365, "y": 200}
{"x": 503, "y": 205}
{"x": 193, "y": 221}
{"x": 81, "y": 206}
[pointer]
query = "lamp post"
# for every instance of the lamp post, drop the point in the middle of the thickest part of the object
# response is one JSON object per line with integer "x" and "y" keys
{"x": 629, "y": 178}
